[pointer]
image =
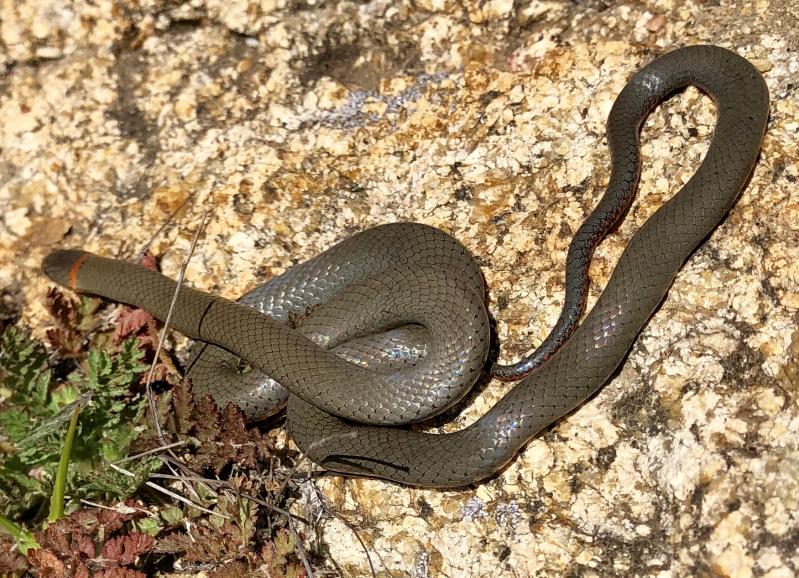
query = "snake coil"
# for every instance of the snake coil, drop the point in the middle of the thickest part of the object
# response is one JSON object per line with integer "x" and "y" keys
{"x": 393, "y": 323}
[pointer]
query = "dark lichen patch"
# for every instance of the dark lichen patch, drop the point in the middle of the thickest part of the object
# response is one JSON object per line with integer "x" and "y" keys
{"x": 488, "y": 96}
{"x": 743, "y": 367}
{"x": 689, "y": 388}
{"x": 770, "y": 291}
{"x": 618, "y": 556}
{"x": 640, "y": 413}
{"x": 7, "y": 169}
{"x": 129, "y": 69}
{"x": 502, "y": 302}
{"x": 537, "y": 512}
{"x": 464, "y": 193}
{"x": 358, "y": 62}
{"x": 425, "y": 509}
{"x": 10, "y": 306}
{"x": 242, "y": 201}
{"x": 698, "y": 495}
{"x": 749, "y": 411}
{"x": 576, "y": 473}
{"x": 604, "y": 458}
{"x": 789, "y": 374}
{"x": 788, "y": 546}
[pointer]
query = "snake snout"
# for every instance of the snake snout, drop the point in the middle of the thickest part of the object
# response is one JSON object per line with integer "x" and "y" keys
{"x": 60, "y": 266}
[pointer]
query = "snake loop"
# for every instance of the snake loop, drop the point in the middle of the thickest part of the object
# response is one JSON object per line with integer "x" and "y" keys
{"x": 392, "y": 324}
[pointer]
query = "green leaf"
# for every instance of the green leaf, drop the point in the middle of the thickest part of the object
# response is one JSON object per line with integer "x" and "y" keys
{"x": 24, "y": 369}
{"x": 149, "y": 526}
{"x": 108, "y": 484}
{"x": 59, "y": 488}
{"x": 10, "y": 528}
{"x": 25, "y": 540}
{"x": 34, "y": 417}
{"x": 63, "y": 396}
{"x": 116, "y": 443}
{"x": 172, "y": 515}
{"x": 15, "y": 425}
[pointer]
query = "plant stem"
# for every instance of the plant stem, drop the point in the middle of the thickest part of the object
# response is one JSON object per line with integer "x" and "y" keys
{"x": 59, "y": 488}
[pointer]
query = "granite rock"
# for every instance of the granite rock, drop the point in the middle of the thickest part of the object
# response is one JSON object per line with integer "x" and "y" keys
{"x": 299, "y": 122}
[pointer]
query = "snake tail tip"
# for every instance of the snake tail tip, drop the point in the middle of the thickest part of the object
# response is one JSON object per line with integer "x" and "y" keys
{"x": 62, "y": 266}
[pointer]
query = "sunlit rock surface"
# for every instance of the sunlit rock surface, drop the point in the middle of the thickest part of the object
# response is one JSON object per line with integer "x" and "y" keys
{"x": 300, "y": 122}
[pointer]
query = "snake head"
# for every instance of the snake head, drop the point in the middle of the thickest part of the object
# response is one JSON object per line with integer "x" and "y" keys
{"x": 62, "y": 266}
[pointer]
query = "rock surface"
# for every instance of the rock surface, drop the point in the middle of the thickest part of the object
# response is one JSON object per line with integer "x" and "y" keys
{"x": 299, "y": 122}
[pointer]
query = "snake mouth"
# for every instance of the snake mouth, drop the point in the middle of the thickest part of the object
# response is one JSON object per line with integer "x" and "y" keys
{"x": 361, "y": 465}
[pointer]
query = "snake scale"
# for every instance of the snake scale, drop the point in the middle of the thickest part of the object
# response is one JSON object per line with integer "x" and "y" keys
{"x": 390, "y": 327}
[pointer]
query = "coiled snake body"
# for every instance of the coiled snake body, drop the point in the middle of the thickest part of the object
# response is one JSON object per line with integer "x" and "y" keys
{"x": 391, "y": 323}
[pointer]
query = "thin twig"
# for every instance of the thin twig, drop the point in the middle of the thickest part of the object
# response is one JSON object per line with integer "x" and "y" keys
{"x": 284, "y": 484}
{"x": 187, "y": 501}
{"x": 170, "y": 459}
{"x": 361, "y": 542}
{"x": 152, "y": 451}
{"x": 169, "y": 493}
{"x": 164, "y": 225}
{"x": 114, "y": 509}
{"x": 230, "y": 486}
{"x": 269, "y": 506}
{"x": 162, "y": 335}
{"x": 300, "y": 549}
{"x": 344, "y": 521}
{"x": 187, "y": 474}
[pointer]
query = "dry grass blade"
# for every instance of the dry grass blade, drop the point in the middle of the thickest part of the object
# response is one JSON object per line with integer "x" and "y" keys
{"x": 147, "y": 513}
{"x": 162, "y": 335}
{"x": 164, "y": 225}
{"x": 186, "y": 501}
{"x": 344, "y": 521}
{"x": 152, "y": 451}
{"x": 170, "y": 493}
{"x": 230, "y": 486}
{"x": 300, "y": 550}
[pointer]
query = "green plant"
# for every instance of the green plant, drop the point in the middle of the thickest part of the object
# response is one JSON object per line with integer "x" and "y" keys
{"x": 34, "y": 409}
{"x": 65, "y": 417}
{"x": 25, "y": 539}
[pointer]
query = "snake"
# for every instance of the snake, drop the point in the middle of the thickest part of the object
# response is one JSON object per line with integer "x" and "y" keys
{"x": 390, "y": 327}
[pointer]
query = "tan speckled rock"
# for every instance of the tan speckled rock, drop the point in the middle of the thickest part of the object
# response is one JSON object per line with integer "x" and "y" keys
{"x": 299, "y": 123}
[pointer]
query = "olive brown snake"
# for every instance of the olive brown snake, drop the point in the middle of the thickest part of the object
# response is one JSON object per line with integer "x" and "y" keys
{"x": 389, "y": 327}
